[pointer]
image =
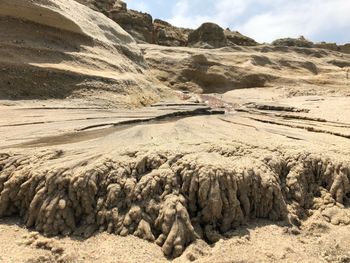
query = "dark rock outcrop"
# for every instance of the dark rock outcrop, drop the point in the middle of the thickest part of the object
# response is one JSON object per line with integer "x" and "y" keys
{"x": 167, "y": 35}
{"x": 333, "y": 46}
{"x": 345, "y": 48}
{"x": 302, "y": 42}
{"x": 236, "y": 38}
{"x": 293, "y": 42}
{"x": 102, "y": 6}
{"x": 137, "y": 24}
{"x": 329, "y": 46}
{"x": 208, "y": 35}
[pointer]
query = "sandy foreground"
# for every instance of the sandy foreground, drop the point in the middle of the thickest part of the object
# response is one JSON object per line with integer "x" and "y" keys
{"x": 259, "y": 241}
{"x": 254, "y": 128}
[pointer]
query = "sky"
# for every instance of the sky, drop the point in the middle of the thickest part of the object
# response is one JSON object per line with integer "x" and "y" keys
{"x": 263, "y": 20}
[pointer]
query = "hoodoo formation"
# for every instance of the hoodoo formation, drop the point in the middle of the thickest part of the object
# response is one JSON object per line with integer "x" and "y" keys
{"x": 127, "y": 138}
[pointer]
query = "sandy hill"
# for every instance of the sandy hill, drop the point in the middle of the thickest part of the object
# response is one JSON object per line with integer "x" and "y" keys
{"x": 60, "y": 53}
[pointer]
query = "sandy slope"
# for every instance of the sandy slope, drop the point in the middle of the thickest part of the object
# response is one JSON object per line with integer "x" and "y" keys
{"x": 61, "y": 53}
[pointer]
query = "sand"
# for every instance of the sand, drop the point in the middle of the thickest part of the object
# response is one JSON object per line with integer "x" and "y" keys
{"x": 228, "y": 155}
{"x": 258, "y": 136}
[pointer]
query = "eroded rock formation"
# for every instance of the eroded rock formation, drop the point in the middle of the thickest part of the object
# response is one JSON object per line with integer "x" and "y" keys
{"x": 102, "y": 5}
{"x": 167, "y": 35}
{"x": 208, "y": 35}
{"x": 293, "y": 42}
{"x": 304, "y": 43}
{"x": 333, "y": 46}
{"x": 137, "y": 24}
{"x": 170, "y": 198}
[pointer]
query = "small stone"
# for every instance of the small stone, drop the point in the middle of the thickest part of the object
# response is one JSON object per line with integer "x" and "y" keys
{"x": 62, "y": 204}
{"x": 191, "y": 257}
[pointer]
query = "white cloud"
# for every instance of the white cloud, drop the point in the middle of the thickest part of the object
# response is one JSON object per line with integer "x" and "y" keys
{"x": 228, "y": 10}
{"x": 314, "y": 19}
{"x": 266, "y": 20}
{"x": 183, "y": 16}
{"x": 139, "y": 5}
